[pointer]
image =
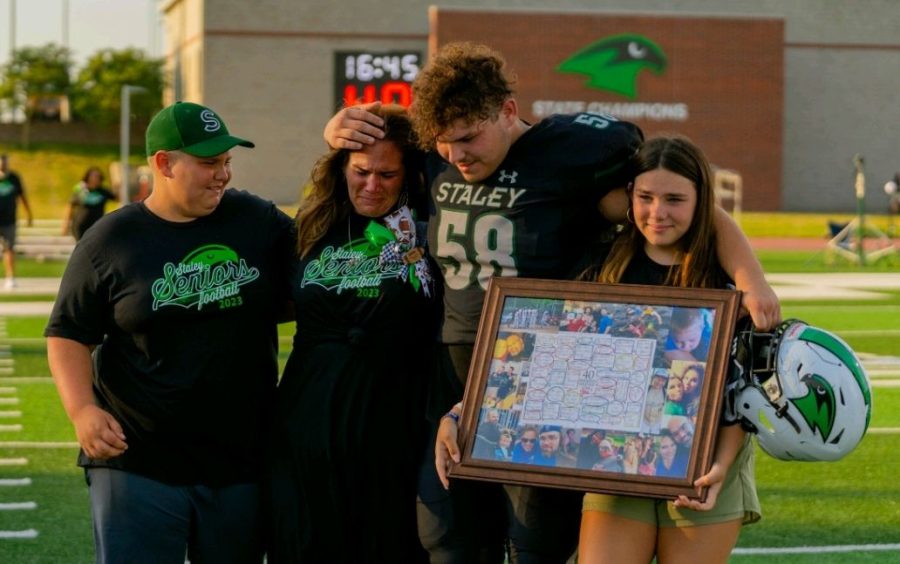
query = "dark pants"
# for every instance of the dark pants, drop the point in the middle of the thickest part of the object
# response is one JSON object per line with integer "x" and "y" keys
{"x": 138, "y": 520}
{"x": 476, "y": 522}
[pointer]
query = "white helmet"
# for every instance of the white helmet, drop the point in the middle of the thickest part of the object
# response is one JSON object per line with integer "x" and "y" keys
{"x": 802, "y": 390}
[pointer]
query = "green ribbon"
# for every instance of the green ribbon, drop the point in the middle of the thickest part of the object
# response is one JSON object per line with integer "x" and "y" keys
{"x": 379, "y": 236}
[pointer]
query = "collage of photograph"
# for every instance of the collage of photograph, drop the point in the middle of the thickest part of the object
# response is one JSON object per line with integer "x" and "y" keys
{"x": 607, "y": 387}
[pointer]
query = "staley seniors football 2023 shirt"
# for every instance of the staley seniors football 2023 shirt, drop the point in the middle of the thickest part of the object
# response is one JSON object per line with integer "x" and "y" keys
{"x": 184, "y": 316}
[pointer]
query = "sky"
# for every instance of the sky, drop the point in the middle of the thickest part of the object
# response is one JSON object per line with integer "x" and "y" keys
{"x": 92, "y": 25}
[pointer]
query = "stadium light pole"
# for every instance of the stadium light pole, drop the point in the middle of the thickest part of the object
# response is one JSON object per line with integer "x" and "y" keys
{"x": 12, "y": 28}
{"x": 65, "y": 24}
{"x": 860, "y": 208}
{"x": 125, "y": 138}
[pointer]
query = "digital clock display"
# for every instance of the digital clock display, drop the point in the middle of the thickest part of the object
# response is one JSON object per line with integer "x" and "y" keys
{"x": 363, "y": 77}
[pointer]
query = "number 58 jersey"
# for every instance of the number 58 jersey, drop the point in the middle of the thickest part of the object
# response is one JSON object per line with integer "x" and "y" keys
{"x": 534, "y": 217}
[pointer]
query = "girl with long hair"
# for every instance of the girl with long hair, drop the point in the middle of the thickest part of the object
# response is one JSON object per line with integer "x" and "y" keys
{"x": 671, "y": 240}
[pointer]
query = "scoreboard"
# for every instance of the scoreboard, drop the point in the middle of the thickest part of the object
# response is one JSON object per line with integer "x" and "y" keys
{"x": 364, "y": 76}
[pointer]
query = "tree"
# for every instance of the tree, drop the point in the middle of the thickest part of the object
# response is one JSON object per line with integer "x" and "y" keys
{"x": 96, "y": 95}
{"x": 34, "y": 73}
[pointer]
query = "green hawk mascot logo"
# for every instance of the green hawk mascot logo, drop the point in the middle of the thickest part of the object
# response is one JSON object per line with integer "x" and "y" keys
{"x": 613, "y": 63}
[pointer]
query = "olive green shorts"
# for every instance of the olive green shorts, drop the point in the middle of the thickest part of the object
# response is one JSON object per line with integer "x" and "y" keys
{"x": 737, "y": 500}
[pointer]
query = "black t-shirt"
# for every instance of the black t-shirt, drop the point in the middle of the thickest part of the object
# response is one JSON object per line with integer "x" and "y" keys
{"x": 10, "y": 190}
{"x": 343, "y": 291}
{"x": 184, "y": 314}
{"x": 88, "y": 205}
{"x": 533, "y": 217}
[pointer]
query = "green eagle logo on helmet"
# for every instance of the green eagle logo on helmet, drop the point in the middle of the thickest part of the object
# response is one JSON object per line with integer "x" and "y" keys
{"x": 818, "y": 406}
{"x": 613, "y": 63}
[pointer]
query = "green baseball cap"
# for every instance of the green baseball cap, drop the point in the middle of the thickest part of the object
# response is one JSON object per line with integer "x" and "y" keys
{"x": 192, "y": 128}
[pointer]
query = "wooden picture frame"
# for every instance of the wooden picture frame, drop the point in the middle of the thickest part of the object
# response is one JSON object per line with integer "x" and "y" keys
{"x": 586, "y": 373}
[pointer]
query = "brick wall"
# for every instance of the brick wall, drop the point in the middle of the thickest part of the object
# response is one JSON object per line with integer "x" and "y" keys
{"x": 722, "y": 84}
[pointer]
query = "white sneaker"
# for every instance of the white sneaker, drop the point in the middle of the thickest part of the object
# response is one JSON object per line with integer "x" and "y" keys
{"x": 10, "y": 283}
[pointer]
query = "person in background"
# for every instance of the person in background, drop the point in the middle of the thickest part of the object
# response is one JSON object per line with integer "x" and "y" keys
{"x": 163, "y": 347}
{"x": 88, "y": 203}
{"x": 12, "y": 191}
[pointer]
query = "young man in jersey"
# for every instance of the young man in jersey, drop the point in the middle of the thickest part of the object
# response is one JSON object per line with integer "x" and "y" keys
{"x": 175, "y": 299}
{"x": 11, "y": 193}
{"x": 511, "y": 199}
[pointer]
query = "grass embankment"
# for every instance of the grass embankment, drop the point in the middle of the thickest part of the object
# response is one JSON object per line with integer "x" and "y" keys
{"x": 49, "y": 171}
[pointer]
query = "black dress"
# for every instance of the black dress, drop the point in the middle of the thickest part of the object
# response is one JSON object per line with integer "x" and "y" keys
{"x": 350, "y": 429}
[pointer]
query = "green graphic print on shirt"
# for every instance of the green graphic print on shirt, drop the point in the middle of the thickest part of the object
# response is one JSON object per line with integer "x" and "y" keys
{"x": 211, "y": 273}
{"x": 6, "y": 187}
{"x": 355, "y": 265}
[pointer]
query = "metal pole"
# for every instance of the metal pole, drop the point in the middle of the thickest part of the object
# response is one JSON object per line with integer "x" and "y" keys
{"x": 12, "y": 28}
{"x": 125, "y": 138}
{"x": 860, "y": 209}
{"x": 65, "y": 24}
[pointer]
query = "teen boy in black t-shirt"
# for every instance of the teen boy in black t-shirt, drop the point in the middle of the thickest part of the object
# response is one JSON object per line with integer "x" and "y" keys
{"x": 176, "y": 296}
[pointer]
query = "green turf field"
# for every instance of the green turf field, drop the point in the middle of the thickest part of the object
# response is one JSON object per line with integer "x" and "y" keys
{"x": 853, "y": 503}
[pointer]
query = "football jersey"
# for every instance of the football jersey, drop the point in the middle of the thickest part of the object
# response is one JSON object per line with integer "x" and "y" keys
{"x": 533, "y": 217}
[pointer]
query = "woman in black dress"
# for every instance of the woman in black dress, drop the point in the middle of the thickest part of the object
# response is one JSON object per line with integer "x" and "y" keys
{"x": 350, "y": 429}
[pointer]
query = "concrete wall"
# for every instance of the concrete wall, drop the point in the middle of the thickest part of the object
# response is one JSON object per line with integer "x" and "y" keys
{"x": 266, "y": 66}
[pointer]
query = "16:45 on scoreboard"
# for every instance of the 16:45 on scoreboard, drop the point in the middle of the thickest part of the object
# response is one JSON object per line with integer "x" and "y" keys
{"x": 365, "y": 76}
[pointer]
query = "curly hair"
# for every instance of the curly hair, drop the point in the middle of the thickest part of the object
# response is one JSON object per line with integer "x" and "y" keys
{"x": 463, "y": 81}
{"x": 699, "y": 266}
{"x": 328, "y": 199}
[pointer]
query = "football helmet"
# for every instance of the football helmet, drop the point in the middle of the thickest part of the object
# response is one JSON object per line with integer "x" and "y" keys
{"x": 801, "y": 389}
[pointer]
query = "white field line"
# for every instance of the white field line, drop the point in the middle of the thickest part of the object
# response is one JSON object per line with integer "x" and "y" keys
{"x": 18, "y": 506}
{"x": 13, "y": 461}
{"x": 10, "y": 414}
{"x": 7, "y": 390}
{"x": 818, "y": 549}
{"x": 11, "y": 428}
{"x": 26, "y": 534}
{"x": 26, "y": 380}
{"x": 866, "y": 332}
{"x": 13, "y": 482}
{"x": 49, "y": 444}
{"x": 9, "y": 401}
